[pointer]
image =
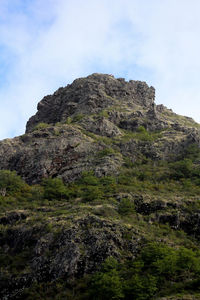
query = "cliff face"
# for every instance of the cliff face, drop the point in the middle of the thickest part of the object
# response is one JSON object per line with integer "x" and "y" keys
{"x": 98, "y": 113}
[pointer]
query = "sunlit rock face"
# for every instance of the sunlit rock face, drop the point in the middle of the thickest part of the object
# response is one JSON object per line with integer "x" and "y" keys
{"x": 90, "y": 95}
{"x": 93, "y": 124}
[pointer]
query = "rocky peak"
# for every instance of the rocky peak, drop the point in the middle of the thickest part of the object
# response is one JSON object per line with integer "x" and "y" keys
{"x": 95, "y": 123}
{"x": 91, "y": 95}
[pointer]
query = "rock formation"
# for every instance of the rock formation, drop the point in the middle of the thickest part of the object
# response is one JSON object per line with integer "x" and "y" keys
{"x": 68, "y": 132}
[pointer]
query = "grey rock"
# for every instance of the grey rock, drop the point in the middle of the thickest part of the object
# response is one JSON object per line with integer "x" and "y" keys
{"x": 90, "y": 95}
{"x": 99, "y": 111}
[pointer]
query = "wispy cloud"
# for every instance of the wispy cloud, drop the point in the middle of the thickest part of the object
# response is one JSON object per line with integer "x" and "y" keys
{"x": 47, "y": 44}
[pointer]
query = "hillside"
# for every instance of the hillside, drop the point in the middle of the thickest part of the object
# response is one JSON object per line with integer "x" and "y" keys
{"x": 100, "y": 197}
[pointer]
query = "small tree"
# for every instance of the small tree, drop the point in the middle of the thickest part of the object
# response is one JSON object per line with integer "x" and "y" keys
{"x": 107, "y": 283}
{"x": 10, "y": 183}
{"x": 54, "y": 188}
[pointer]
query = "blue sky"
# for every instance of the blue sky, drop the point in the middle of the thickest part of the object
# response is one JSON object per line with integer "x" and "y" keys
{"x": 47, "y": 44}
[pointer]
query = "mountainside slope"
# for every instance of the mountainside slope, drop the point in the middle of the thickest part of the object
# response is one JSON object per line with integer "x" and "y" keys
{"x": 100, "y": 197}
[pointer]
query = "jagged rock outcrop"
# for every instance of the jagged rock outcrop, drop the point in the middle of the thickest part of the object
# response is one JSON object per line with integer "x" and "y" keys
{"x": 91, "y": 95}
{"x": 92, "y": 124}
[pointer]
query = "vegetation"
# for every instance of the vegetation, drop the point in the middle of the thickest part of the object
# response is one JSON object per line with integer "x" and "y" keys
{"x": 54, "y": 188}
{"x": 141, "y": 134}
{"x": 40, "y": 126}
{"x": 168, "y": 260}
{"x": 76, "y": 118}
{"x": 157, "y": 270}
{"x": 153, "y": 271}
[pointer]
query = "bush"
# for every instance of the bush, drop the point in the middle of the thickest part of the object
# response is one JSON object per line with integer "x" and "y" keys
{"x": 105, "y": 152}
{"x": 126, "y": 207}
{"x": 11, "y": 183}
{"x": 77, "y": 118}
{"x": 143, "y": 134}
{"x": 181, "y": 169}
{"x": 192, "y": 152}
{"x": 109, "y": 184}
{"x": 107, "y": 284}
{"x": 88, "y": 178}
{"x": 69, "y": 120}
{"x": 141, "y": 129}
{"x": 91, "y": 193}
{"x": 153, "y": 270}
{"x": 41, "y": 126}
{"x": 54, "y": 189}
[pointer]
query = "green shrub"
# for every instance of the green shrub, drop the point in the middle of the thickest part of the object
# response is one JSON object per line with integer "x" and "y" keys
{"x": 128, "y": 162}
{"x": 54, "y": 189}
{"x": 155, "y": 268}
{"x": 11, "y": 183}
{"x": 104, "y": 114}
{"x": 141, "y": 129}
{"x": 88, "y": 178}
{"x": 126, "y": 207}
{"x": 41, "y": 126}
{"x": 192, "y": 152}
{"x": 105, "y": 152}
{"x": 37, "y": 193}
{"x": 107, "y": 284}
{"x": 143, "y": 134}
{"x": 109, "y": 184}
{"x": 91, "y": 193}
{"x": 181, "y": 169}
{"x": 77, "y": 118}
{"x": 69, "y": 120}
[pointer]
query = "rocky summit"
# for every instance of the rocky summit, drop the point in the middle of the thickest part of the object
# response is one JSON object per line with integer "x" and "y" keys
{"x": 100, "y": 197}
{"x": 93, "y": 114}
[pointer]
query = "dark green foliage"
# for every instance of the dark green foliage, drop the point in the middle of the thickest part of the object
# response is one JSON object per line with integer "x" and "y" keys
{"x": 88, "y": 178}
{"x": 54, "y": 188}
{"x": 158, "y": 270}
{"x": 91, "y": 193}
{"x": 105, "y": 152}
{"x": 186, "y": 166}
{"x": 11, "y": 183}
{"x": 89, "y": 187}
{"x": 128, "y": 162}
{"x": 170, "y": 264}
{"x": 109, "y": 184}
{"x": 92, "y": 188}
{"x": 107, "y": 284}
{"x": 192, "y": 152}
{"x": 155, "y": 267}
{"x": 39, "y": 291}
{"x": 126, "y": 207}
{"x": 181, "y": 169}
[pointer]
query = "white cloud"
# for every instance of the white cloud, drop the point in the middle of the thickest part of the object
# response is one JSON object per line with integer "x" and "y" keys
{"x": 46, "y": 44}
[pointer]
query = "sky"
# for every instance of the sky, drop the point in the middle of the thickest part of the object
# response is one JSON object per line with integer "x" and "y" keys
{"x": 46, "y": 44}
